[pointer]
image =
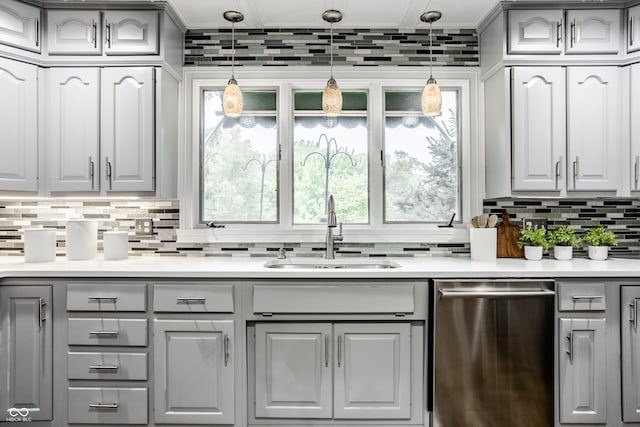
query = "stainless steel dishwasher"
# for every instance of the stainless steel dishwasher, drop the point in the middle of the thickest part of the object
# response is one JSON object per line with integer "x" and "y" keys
{"x": 493, "y": 353}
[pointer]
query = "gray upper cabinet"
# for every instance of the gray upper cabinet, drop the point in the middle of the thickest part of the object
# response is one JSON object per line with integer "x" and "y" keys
{"x": 630, "y": 299}
{"x": 633, "y": 29}
{"x": 74, "y": 32}
{"x": 635, "y": 126}
{"x": 20, "y": 25}
{"x": 593, "y": 31}
{"x": 131, "y": 32}
{"x": 27, "y": 355}
{"x": 535, "y": 31}
{"x": 582, "y": 371}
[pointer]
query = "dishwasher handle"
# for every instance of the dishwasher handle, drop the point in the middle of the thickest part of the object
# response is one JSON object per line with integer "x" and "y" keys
{"x": 495, "y": 293}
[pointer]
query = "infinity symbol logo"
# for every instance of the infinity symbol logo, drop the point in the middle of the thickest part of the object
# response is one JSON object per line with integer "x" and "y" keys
{"x": 14, "y": 412}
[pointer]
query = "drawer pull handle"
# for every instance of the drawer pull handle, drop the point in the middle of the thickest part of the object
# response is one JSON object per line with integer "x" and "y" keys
{"x": 103, "y": 298}
{"x": 589, "y": 297}
{"x": 189, "y": 300}
{"x": 104, "y": 367}
{"x": 104, "y": 405}
{"x": 105, "y": 333}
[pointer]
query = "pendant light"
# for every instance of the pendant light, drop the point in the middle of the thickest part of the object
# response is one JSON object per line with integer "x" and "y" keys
{"x": 332, "y": 97}
{"x": 431, "y": 96}
{"x": 232, "y": 97}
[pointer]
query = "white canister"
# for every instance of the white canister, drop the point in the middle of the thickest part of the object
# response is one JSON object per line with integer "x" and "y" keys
{"x": 39, "y": 245}
{"x": 82, "y": 239}
{"x": 115, "y": 245}
{"x": 483, "y": 242}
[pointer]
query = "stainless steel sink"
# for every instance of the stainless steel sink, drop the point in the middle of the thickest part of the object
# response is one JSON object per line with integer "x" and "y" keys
{"x": 331, "y": 264}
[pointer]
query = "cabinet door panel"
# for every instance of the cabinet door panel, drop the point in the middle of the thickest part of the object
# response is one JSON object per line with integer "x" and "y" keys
{"x": 635, "y": 125}
{"x": 26, "y": 356}
{"x": 131, "y": 32}
{"x": 372, "y": 372}
{"x": 594, "y": 128}
{"x": 630, "y": 353}
{"x": 20, "y": 25}
{"x": 582, "y": 371}
{"x": 293, "y": 370}
{"x": 74, "y": 32}
{"x": 73, "y": 128}
{"x": 194, "y": 371}
{"x": 535, "y": 31}
{"x": 593, "y": 31}
{"x": 18, "y": 126}
{"x": 127, "y": 128}
{"x": 539, "y": 128}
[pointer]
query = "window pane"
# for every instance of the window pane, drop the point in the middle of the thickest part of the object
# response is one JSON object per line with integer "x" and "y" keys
{"x": 239, "y": 160}
{"x": 330, "y": 157}
{"x": 422, "y": 182}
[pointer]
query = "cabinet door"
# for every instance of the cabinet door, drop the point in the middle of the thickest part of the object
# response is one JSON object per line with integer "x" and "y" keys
{"x": 18, "y": 126}
{"x": 629, "y": 303}
{"x": 73, "y": 128}
{"x": 634, "y": 85}
{"x": 593, "y": 31}
{"x": 26, "y": 351}
{"x": 594, "y": 128}
{"x": 20, "y": 25}
{"x": 535, "y": 31}
{"x": 74, "y": 32}
{"x": 582, "y": 371}
{"x": 194, "y": 371}
{"x": 539, "y": 128}
{"x": 293, "y": 370}
{"x": 131, "y": 32}
{"x": 372, "y": 371}
{"x": 127, "y": 128}
{"x": 633, "y": 29}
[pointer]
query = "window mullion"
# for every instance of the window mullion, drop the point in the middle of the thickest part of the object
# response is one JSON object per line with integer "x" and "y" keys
{"x": 285, "y": 139}
{"x": 376, "y": 147}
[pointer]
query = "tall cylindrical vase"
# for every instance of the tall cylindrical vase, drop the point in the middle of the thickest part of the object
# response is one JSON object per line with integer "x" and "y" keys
{"x": 82, "y": 239}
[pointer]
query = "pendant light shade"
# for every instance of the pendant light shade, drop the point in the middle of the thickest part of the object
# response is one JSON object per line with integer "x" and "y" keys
{"x": 232, "y": 97}
{"x": 332, "y": 96}
{"x": 431, "y": 97}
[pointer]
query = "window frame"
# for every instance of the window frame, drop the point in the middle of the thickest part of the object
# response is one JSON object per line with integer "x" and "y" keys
{"x": 287, "y": 79}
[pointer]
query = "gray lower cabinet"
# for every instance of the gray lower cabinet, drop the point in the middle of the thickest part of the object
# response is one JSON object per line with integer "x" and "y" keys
{"x": 26, "y": 352}
{"x": 582, "y": 370}
{"x": 194, "y": 371}
{"x": 630, "y": 299}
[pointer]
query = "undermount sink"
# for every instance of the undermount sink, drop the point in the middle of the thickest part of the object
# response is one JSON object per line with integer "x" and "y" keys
{"x": 330, "y": 264}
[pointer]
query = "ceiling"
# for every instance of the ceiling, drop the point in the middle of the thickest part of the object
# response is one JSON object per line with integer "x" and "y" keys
{"x": 405, "y": 14}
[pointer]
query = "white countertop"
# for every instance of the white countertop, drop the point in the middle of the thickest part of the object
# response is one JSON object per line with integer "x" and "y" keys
{"x": 253, "y": 268}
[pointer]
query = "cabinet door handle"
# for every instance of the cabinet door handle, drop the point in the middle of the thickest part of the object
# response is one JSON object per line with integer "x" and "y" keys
{"x": 92, "y": 172}
{"x": 37, "y": 31}
{"x": 41, "y": 312}
{"x": 326, "y": 351}
{"x": 104, "y": 367}
{"x": 631, "y": 31}
{"x": 576, "y": 169}
{"x": 107, "y": 39}
{"x": 637, "y": 171}
{"x": 573, "y": 32}
{"x": 104, "y": 405}
{"x": 558, "y": 33}
{"x": 226, "y": 350}
{"x": 109, "y": 176}
{"x": 105, "y": 333}
{"x": 558, "y": 172}
{"x": 570, "y": 351}
{"x": 339, "y": 350}
{"x": 103, "y": 298}
{"x": 633, "y": 317}
{"x": 189, "y": 300}
{"x": 94, "y": 34}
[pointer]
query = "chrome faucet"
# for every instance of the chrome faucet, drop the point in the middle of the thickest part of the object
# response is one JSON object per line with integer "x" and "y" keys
{"x": 331, "y": 224}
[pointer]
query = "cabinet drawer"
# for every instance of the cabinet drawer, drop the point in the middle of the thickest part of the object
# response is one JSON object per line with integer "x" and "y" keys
{"x": 185, "y": 297}
{"x": 581, "y": 297}
{"x": 106, "y": 366}
{"x": 108, "y": 332}
{"x": 333, "y": 299}
{"x": 106, "y": 297}
{"x": 107, "y": 405}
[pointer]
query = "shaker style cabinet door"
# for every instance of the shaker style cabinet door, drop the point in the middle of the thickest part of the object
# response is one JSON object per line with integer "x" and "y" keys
{"x": 131, "y": 32}
{"x": 127, "y": 128}
{"x": 194, "y": 371}
{"x": 535, "y": 31}
{"x": 74, "y": 32}
{"x": 18, "y": 126}
{"x": 630, "y": 300}
{"x": 594, "y": 128}
{"x": 633, "y": 29}
{"x": 20, "y": 25}
{"x": 538, "y": 128}
{"x": 293, "y": 370}
{"x": 26, "y": 353}
{"x": 73, "y": 128}
{"x": 372, "y": 371}
{"x": 634, "y": 84}
{"x": 582, "y": 370}
{"x": 593, "y": 31}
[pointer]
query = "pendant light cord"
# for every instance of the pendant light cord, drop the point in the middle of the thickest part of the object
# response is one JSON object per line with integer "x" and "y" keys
{"x": 430, "y": 50}
{"x": 331, "y": 47}
{"x": 233, "y": 47}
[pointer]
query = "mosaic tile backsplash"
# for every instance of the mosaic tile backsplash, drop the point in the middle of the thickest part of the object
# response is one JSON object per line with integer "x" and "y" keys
{"x": 622, "y": 216}
{"x": 359, "y": 47}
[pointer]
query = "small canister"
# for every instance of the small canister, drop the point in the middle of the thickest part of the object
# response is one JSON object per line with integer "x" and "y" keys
{"x": 115, "y": 245}
{"x": 39, "y": 245}
{"x": 82, "y": 239}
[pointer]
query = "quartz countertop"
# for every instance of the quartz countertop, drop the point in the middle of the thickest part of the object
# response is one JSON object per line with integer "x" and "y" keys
{"x": 253, "y": 268}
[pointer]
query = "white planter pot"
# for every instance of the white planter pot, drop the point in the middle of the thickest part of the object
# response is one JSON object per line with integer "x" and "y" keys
{"x": 533, "y": 253}
{"x": 599, "y": 253}
{"x": 563, "y": 253}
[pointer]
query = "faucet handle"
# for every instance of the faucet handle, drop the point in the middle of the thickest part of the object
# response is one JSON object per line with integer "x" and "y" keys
{"x": 339, "y": 236}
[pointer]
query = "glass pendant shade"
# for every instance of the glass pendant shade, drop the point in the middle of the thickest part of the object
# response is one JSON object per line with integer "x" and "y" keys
{"x": 232, "y": 99}
{"x": 332, "y": 99}
{"x": 431, "y": 98}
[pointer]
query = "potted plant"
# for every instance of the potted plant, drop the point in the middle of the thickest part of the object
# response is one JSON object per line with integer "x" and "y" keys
{"x": 598, "y": 240}
{"x": 534, "y": 241}
{"x": 563, "y": 240}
